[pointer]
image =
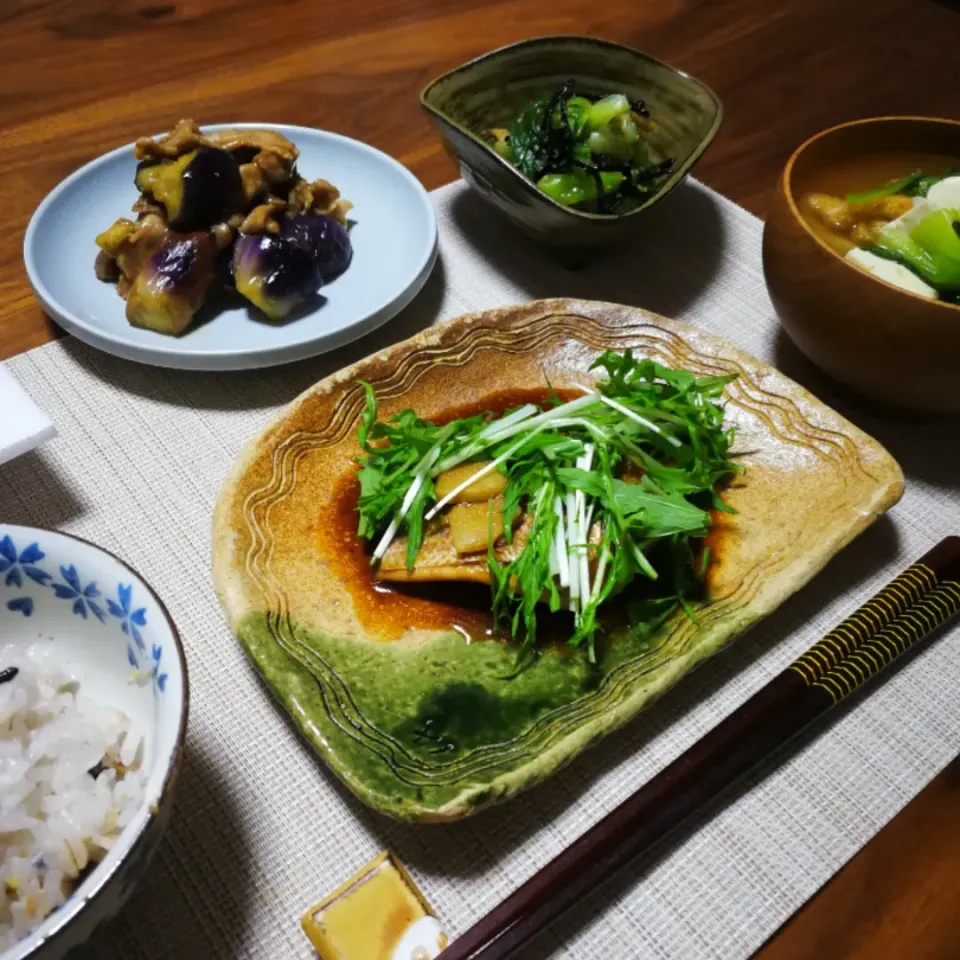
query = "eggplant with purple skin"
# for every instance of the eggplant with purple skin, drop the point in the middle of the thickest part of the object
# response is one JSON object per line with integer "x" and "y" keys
{"x": 274, "y": 274}
{"x": 197, "y": 190}
{"x": 324, "y": 238}
{"x": 223, "y": 272}
{"x": 172, "y": 286}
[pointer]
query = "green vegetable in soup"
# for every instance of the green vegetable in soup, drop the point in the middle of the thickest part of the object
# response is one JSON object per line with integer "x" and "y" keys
{"x": 583, "y": 153}
{"x": 937, "y": 234}
{"x": 914, "y": 184}
{"x": 931, "y": 249}
{"x": 921, "y": 186}
{"x": 901, "y": 185}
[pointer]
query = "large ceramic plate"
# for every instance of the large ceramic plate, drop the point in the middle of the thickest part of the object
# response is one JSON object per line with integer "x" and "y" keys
{"x": 423, "y": 725}
{"x": 394, "y": 236}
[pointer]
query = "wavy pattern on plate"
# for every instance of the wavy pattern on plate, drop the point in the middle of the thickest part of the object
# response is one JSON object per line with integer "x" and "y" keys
{"x": 357, "y": 698}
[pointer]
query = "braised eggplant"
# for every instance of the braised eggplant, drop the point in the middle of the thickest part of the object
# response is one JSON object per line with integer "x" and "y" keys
{"x": 324, "y": 238}
{"x": 173, "y": 284}
{"x": 274, "y": 274}
{"x": 126, "y": 248}
{"x": 197, "y": 190}
{"x": 222, "y": 213}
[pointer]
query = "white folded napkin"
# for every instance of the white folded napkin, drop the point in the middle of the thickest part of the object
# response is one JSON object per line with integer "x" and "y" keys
{"x": 23, "y": 425}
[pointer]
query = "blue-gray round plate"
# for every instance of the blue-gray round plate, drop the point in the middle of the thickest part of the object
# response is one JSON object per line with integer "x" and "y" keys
{"x": 394, "y": 235}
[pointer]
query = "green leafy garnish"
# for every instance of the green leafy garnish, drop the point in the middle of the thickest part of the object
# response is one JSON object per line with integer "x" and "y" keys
{"x": 615, "y": 486}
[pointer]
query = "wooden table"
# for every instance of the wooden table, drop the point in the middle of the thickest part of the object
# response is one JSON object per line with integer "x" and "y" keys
{"x": 81, "y": 76}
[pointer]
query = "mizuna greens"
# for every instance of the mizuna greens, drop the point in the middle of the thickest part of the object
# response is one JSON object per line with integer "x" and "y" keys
{"x": 615, "y": 485}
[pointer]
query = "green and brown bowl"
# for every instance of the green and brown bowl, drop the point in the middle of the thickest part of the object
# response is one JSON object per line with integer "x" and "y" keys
{"x": 492, "y": 90}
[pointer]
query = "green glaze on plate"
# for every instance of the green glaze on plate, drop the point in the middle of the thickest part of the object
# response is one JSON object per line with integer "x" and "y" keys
{"x": 493, "y": 89}
{"x": 420, "y": 723}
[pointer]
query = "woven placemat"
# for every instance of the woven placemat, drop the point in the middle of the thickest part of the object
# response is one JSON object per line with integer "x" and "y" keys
{"x": 261, "y": 830}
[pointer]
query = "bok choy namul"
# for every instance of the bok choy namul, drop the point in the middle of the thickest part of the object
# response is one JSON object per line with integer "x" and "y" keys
{"x": 614, "y": 485}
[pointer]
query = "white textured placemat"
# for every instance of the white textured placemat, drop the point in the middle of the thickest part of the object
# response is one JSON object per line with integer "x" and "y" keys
{"x": 261, "y": 830}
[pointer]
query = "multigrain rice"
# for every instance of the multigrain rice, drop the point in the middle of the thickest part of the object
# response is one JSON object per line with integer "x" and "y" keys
{"x": 70, "y": 781}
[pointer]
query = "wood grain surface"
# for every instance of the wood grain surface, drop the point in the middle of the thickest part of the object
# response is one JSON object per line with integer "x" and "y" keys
{"x": 78, "y": 77}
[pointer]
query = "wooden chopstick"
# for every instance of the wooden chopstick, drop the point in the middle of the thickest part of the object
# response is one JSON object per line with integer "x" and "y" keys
{"x": 905, "y": 612}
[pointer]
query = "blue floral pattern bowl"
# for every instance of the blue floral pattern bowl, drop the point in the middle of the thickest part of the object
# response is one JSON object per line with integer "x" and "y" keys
{"x": 112, "y": 632}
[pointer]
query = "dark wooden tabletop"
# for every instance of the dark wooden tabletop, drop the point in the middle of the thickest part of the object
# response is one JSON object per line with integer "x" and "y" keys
{"x": 78, "y": 77}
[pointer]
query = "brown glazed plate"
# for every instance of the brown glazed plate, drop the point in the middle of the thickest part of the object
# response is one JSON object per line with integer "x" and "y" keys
{"x": 417, "y": 720}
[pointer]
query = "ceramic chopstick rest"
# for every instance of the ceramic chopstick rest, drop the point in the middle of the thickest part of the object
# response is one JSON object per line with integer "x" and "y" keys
{"x": 378, "y": 914}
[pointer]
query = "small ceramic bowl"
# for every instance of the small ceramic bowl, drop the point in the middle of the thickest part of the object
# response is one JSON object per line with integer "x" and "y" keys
{"x": 492, "y": 90}
{"x": 102, "y": 623}
{"x": 892, "y": 346}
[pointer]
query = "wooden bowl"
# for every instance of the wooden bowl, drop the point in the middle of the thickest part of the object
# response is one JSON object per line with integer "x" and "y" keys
{"x": 889, "y": 345}
{"x": 491, "y": 90}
